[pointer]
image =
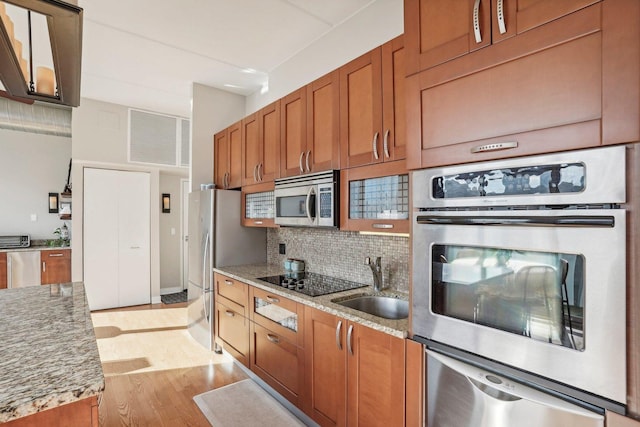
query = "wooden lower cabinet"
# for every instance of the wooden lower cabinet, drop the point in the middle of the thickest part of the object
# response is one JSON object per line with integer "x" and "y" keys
{"x": 81, "y": 413}
{"x": 232, "y": 332}
{"x": 279, "y": 362}
{"x": 355, "y": 374}
{"x": 3, "y": 270}
{"x": 56, "y": 266}
{"x": 615, "y": 420}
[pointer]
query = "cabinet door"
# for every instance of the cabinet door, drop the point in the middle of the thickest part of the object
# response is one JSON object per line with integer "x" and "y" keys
{"x": 221, "y": 158}
{"x": 437, "y": 31}
{"x": 278, "y": 362}
{"x": 234, "y": 177}
{"x": 56, "y": 266}
{"x": 293, "y": 134}
{"x": 3, "y": 270}
{"x": 361, "y": 111}
{"x": 323, "y": 123}
{"x": 375, "y": 378}
{"x": 325, "y": 353}
{"x": 616, "y": 420}
{"x": 232, "y": 332}
{"x": 394, "y": 145}
{"x": 269, "y": 165}
{"x": 258, "y": 205}
{"x": 251, "y": 149}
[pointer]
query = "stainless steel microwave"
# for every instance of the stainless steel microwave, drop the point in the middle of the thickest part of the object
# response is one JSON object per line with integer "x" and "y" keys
{"x": 309, "y": 200}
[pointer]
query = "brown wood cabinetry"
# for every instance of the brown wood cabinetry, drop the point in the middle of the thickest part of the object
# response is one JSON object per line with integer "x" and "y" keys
{"x": 261, "y": 142}
{"x": 261, "y": 211}
{"x": 372, "y": 106}
{"x": 355, "y": 375}
{"x": 56, "y": 266}
{"x": 556, "y": 80}
{"x": 616, "y": 420}
{"x": 310, "y": 128}
{"x": 3, "y": 270}
{"x": 276, "y": 347}
{"x": 231, "y": 317}
{"x": 375, "y": 198}
{"x": 228, "y": 157}
{"x": 415, "y": 374}
{"x": 81, "y": 413}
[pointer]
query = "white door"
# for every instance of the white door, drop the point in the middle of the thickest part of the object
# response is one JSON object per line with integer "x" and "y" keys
{"x": 186, "y": 188}
{"x": 116, "y": 238}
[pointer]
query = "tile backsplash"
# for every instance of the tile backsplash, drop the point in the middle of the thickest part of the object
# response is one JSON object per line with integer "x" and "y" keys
{"x": 342, "y": 253}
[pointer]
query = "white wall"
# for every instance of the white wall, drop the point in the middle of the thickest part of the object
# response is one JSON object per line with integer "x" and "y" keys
{"x": 212, "y": 110}
{"x": 170, "y": 244}
{"x": 382, "y": 21}
{"x": 31, "y": 167}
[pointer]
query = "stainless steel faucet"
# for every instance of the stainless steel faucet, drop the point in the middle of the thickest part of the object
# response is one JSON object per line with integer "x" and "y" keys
{"x": 376, "y": 268}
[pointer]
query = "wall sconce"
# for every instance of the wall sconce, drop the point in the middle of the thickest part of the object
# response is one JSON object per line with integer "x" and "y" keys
{"x": 53, "y": 202}
{"x": 166, "y": 203}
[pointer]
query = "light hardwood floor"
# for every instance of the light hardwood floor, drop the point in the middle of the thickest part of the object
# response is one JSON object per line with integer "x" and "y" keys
{"x": 153, "y": 368}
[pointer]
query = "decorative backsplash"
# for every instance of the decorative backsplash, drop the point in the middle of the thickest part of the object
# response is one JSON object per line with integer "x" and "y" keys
{"x": 341, "y": 254}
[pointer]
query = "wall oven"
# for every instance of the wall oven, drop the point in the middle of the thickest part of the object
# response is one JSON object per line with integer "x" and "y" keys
{"x": 519, "y": 265}
{"x": 308, "y": 201}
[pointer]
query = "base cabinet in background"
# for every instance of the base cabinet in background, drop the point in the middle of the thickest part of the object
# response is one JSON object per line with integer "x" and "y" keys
{"x": 56, "y": 266}
{"x": 355, "y": 374}
{"x": 82, "y": 413}
{"x": 3, "y": 270}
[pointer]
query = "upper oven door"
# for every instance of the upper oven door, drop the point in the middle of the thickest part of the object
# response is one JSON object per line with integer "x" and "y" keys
{"x": 296, "y": 206}
{"x": 542, "y": 291}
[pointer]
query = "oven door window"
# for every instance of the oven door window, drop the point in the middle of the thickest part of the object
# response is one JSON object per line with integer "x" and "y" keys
{"x": 539, "y": 295}
{"x": 294, "y": 206}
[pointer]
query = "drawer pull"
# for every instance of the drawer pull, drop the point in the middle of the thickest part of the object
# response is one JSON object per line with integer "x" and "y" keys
{"x": 228, "y": 282}
{"x": 349, "y": 337}
{"x": 385, "y": 226}
{"x": 52, "y": 255}
{"x": 500, "y": 14}
{"x": 273, "y": 338}
{"x": 44, "y": 267}
{"x": 476, "y": 22}
{"x": 338, "y": 330}
{"x": 273, "y": 299}
{"x": 495, "y": 147}
{"x": 229, "y": 313}
{"x": 257, "y": 222}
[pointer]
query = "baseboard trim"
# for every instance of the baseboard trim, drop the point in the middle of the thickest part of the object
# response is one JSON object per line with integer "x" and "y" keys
{"x": 155, "y": 300}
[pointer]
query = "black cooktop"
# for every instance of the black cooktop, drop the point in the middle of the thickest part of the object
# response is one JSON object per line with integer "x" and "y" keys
{"x": 311, "y": 284}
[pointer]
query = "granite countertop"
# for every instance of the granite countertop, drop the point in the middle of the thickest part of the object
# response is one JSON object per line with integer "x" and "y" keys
{"x": 250, "y": 273}
{"x": 35, "y": 248}
{"x": 48, "y": 350}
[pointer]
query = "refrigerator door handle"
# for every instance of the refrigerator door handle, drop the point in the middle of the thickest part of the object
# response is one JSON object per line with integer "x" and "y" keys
{"x": 205, "y": 290}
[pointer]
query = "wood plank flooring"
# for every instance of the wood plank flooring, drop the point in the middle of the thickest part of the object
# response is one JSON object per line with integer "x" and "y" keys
{"x": 153, "y": 368}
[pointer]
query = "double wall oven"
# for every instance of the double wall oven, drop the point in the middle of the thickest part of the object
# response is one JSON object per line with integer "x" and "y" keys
{"x": 519, "y": 267}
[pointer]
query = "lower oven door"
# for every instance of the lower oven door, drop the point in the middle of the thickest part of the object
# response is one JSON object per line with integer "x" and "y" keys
{"x": 540, "y": 291}
{"x": 463, "y": 395}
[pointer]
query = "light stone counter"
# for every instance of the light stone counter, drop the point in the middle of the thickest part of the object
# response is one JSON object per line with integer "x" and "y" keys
{"x": 48, "y": 350}
{"x": 250, "y": 273}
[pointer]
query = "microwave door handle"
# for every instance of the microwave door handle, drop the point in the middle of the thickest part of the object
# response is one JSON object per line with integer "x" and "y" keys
{"x": 308, "y": 205}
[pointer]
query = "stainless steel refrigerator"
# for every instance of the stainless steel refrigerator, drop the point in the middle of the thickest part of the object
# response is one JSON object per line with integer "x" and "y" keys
{"x": 216, "y": 239}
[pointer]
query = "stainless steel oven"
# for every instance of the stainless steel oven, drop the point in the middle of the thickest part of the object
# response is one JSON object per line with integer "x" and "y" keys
{"x": 308, "y": 200}
{"x": 521, "y": 263}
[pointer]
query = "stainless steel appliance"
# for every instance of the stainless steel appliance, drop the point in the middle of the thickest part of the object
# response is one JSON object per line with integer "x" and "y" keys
{"x": 308, "y": 201}
{"x": 23, "y": 269}
{"x": 521, "y": 264}
{"x": 216, "y": 239}
{"x": 15, "y": 241}
{"x": 464, "y": 395}
{"x": 312, "y": 284}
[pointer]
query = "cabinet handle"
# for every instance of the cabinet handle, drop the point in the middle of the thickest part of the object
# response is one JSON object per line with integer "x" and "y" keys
{"x": 227, "y": 183}
{"x": 307, "y": 161}
{"x": 476, "y": 21}
{"x": 224, "y": 180}
{"x": 273, "y": 300}
{"x": 385, "y": 143}
{"x": 495, "y": 147}
{"x": 385, "y": 226}
{"x": 500, "y": 12}
{"x": 338, "y": 330}
{"x": 255, "y": 169}
{"x": 229, "y": 313}
{"x": 44, "y": 267}
{"x": 260, "y": 170}
{"x": 52, "y": 255}
{"x": 228, "y": 282}
{"x": 257, "y": 222}
{"x": 375, "y": 146}
{"x": 300, "y": 162}
{"x": 349, "y": 336}
{"x": 273, "y": 338}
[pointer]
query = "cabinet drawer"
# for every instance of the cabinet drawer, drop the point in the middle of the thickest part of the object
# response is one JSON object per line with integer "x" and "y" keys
{"x": 233, "y": 332}
{"x": 278, "y": 314}
{"x": 277, "y": 361}
{"x": 55, "y": 254}
{"x": 232, "y": 289}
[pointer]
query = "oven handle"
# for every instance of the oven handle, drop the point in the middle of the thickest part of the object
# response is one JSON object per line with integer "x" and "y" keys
{"x": 528, "y": 221}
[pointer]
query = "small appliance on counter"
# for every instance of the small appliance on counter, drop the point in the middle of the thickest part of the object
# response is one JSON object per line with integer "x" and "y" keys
{"x": 15, "y": 241}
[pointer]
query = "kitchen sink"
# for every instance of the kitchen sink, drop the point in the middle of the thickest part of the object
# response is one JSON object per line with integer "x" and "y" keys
{"x": 377, "y": 305}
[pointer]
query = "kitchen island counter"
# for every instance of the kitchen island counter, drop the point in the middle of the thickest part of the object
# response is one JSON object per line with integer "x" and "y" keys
{"x": 48, "y": 356}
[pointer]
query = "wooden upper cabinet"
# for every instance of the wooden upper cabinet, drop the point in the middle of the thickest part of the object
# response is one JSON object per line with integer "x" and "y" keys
{"x": 269, "y": 142}
{"x": 293, "y": 134}
{"x": 323, "y": 123}
{"x": 228, "y": 157}
{"x": 251, "y": 148}
{"x": 372, "y": 106}
{"x": 441, "y": 30}
{"x": 3, "y": 270}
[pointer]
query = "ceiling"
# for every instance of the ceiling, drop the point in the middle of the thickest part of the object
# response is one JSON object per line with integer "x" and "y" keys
{"x": 147, "y": 53}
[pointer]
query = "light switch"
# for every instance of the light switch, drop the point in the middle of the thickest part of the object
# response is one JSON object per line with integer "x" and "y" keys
{"x": 173, "y": 231}
{"x": 34, "y": 217}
